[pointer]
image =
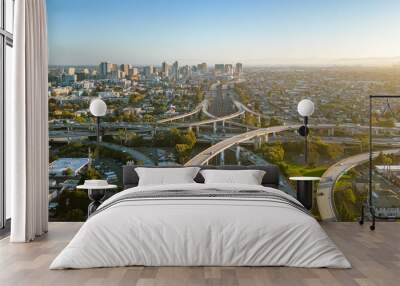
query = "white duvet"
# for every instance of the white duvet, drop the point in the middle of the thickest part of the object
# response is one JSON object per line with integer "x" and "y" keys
{"x": 200, "y": 231}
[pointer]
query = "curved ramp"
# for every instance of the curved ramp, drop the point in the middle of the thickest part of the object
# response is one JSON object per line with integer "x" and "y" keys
{"x": 250, "y": 110}
{"x": 204, "y": 156}
{"x": 325, "y": 196}
{"x": 181, "y": 116}
{"x": 214, "y": 119}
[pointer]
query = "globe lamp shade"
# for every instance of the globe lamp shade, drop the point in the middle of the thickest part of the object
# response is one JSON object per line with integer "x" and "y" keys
{"x": 305, "y": 107}
{"x": 98, "y": 107}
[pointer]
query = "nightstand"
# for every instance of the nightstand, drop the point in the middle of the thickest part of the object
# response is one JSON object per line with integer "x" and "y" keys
{"x": 305, "y": 190}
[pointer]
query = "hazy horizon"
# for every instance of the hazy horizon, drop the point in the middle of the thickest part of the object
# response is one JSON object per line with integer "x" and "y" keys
{"x": 345, "y": 62}
{"x": 256, "y": 33}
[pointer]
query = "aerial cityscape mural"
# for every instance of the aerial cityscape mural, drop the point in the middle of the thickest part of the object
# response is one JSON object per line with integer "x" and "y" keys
{"x": 219, "y": 83}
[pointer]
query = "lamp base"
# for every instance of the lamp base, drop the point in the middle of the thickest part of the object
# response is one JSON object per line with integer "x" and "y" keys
{"x": 305, "y": 193}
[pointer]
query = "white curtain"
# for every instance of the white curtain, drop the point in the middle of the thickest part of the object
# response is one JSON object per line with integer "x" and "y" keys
{"x": 27, "y": 124}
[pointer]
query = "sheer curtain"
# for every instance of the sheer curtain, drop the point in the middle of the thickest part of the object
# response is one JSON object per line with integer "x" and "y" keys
{"x": 27, "y": 124}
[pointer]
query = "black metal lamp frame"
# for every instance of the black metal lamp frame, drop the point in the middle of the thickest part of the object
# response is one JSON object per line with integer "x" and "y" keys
{"x": 98, "y": 129}
{"x": 368, "y": 205}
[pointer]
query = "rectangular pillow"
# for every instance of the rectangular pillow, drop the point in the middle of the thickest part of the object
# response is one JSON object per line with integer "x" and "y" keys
{"x": 166, "y": 176}
{"x": 248, "y": 177}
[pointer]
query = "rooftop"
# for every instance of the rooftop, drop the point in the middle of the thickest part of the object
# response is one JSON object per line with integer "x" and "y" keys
{"x": 58, "y": 166}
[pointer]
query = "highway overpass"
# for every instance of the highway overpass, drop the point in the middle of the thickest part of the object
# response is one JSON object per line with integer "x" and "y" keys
{"x": 325, "y": 197}
{"x": 325, "y": 193}
{"x": 182, "y": 116}
{"x": 259, "y": 115}
{"x": 149, "y": 126}
{"x": 214, "y": 120}
{"x": 204, "y": 156}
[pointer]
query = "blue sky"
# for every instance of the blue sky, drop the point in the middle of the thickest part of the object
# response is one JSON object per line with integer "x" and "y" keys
{"x": 252, "y": 31}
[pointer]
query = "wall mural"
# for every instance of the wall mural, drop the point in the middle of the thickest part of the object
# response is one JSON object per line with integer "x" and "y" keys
{"x": 122, "y": 100}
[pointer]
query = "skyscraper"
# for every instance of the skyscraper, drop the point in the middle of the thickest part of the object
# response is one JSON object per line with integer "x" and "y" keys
{"x": 71, "y": 71}
{"x": 133, "y": 72}
{"x": 219, "y": 68}
{"x": 203, "y": 68}
{"x": 82, "y": 75}
{"x": 229, "y": 69}
{"x": 186, "y": 71}
{"x": 164, "y": 69}
{"x": 175, "y": 70}
{"x": 69, "y": 79}
{"x": 239, "y": 68}
{"x": 105, "y": 69}
{"x": 148, "y": 71}
{"x": 125, "y": 68}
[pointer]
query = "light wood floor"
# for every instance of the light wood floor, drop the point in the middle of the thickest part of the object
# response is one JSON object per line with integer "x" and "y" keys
{"x": 375, "y": 257}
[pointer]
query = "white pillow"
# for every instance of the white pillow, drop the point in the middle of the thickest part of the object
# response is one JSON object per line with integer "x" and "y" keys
{"x": 166, "y": 176}
{"x": 248, "y": 177}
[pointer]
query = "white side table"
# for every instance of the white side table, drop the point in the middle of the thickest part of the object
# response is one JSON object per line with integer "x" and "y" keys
{"x": 305, "y": 190}
{"x": 96, "y": 191}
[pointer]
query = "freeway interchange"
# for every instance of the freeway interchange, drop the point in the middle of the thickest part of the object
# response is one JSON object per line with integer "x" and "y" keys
{"x": 325, "y": 198}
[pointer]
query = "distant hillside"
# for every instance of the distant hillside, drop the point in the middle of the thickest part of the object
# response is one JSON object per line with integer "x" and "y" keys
{"x": 369, "y": 61}
{"x": 376, "y": 61}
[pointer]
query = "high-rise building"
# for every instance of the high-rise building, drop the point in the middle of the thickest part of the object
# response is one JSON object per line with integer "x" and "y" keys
{"x": 121, "y": 74}
{"x": 125, "y": 68}
{"x": 228, "y": 69}
{"x": 71, "y": 71}
{"x": 219, "y": 68}
{"x": 115, "y": 74}
{"x": 80, "y": 76}
{"x": 133, "y": 72}
{"x": 239, "y": 68}
{"x": 175, "y": 70}
{"x": 105, "y": 69}
{"x": 69, "y": 79}
{"x": 164, "y": 69}
{"x": 203, "y": 68}
{"x": 186, "y": 71}
{"x": 148, "y": 71}
{"x": 83, "y": 74}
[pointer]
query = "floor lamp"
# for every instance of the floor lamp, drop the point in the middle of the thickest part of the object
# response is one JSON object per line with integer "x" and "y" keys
{"x": 305, "y": 108}
{"x": 98, "y": 108}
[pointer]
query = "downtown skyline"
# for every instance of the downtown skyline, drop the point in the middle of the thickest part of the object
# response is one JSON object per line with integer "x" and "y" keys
{"x": 252, "y": 32}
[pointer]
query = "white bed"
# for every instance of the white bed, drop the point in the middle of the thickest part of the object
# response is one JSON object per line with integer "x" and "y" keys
{"x": 202, "y": 231}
